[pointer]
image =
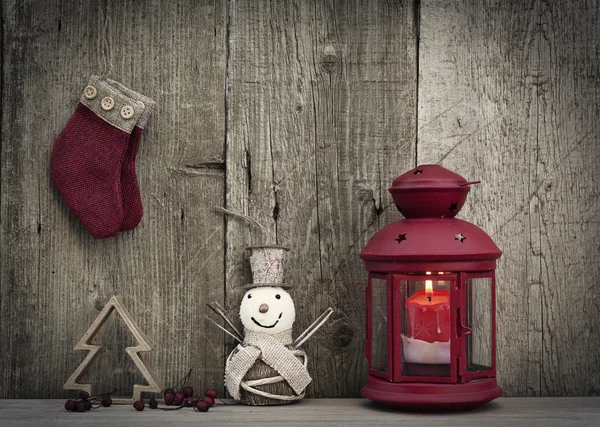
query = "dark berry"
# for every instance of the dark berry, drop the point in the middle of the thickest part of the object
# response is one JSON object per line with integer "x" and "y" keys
{"x": 88, "y": 405}
{"x": 178, "y": 399}
{"x": 202, "y": 406}
{"x": 84, "y": 394}
{"x": 211, "y": 393}
{"x": 188, "y": 391}
{"x": 70, "y": 405}
{"x": 169, "y": 398}
{"x": 189, "y": 401}
{"x": 80, "y": 406}
{"x": 209, "y": 401}
{"x": 152, "y": 403}
{"x": 106, "y": 401}
{"x": 138, "y": 405}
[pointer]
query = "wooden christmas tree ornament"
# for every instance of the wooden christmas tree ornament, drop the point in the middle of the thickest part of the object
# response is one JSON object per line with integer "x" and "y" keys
{"x": 154, "y": 385}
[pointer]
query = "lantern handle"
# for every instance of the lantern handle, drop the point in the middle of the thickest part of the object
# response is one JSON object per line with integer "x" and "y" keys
{"x": 469, "y": 183}
{"x": 469, "y": 331}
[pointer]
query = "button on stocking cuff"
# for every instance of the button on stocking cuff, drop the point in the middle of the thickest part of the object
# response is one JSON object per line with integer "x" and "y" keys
{"x": 111, "y": 105}
{"x": 148, "y": 103}
{"x": 107, "y": 103}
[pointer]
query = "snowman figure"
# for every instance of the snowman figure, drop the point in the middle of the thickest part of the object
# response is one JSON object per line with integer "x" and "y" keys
{"x": 267, "y": 367}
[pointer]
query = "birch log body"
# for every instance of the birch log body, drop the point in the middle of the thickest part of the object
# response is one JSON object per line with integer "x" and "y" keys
{"x": 260, "y": 370}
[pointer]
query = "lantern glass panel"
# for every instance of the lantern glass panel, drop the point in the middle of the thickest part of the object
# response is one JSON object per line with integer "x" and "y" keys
{"x": 426, "y": 328}
{"x": 479, "y": 319}
{"x": 379, "y": 328}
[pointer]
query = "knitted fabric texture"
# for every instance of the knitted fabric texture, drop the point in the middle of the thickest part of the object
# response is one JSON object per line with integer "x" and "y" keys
{"x": 92, "y": 165}
{"x": 133, "y": 210}
{"x": 85, "y": 167}
{"x": 274, "y": 353}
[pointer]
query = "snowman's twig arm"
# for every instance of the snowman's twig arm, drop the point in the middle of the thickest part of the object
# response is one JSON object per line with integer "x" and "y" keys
{"x": 314, "y": 327}
{"x": 238, "y": 339}
{"x": 221, "y": 312}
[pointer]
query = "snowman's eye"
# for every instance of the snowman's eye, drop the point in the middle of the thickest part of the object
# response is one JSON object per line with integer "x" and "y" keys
{"x": 278, "y": 296}
{"x": 249, "y": 296}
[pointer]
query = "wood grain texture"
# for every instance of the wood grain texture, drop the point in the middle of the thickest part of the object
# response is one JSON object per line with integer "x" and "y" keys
{"x": 508, "y": 93}
{"x": 321, "y": 119}
{"x": 318, "y": 115}
{"x": 54, "y": 276}
{"x": 527, "y": 412}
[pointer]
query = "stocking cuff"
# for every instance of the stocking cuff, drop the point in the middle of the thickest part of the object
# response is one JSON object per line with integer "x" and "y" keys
{"x": 148, "y": 103}
{"x": 111, "y": 105}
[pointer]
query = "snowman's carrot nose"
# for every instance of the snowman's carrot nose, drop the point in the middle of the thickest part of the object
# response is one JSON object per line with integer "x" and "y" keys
{"x": 263, "y": 308}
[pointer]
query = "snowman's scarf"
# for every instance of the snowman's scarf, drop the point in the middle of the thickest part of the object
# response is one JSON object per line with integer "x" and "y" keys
{"x": 274, "y": 353}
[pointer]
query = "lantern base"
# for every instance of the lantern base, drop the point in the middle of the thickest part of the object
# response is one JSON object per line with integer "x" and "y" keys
{"x": 428, "y": 397}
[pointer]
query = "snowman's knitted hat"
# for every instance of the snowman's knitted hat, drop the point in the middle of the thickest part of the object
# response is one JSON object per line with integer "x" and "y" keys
{"x": 266, "y": 263}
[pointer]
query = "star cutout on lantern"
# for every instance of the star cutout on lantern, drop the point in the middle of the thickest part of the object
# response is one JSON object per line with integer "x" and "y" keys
{"x": 452, "y": 207}
{"x": 460, "y": 237}
{"x": 417, "y": 172}
{"x": 401, "y": 237}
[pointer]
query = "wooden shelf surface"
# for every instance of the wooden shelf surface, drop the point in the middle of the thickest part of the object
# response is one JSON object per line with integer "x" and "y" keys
{"x": 530, "y": 412}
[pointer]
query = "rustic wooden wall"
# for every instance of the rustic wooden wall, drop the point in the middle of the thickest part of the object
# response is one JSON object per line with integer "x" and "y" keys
{"x": 300, "y": 114}
{"x": 54, "y": 276}
{"x": 509, "y": 93}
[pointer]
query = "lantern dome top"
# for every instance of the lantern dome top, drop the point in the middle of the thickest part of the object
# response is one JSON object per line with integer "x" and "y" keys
{"x": 430, "y": 239}
{"x": 430, "y": 191}
{"x": 429, "y": 196}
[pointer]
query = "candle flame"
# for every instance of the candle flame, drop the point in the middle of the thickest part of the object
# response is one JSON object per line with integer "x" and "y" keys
{"x": 428, "y": 285}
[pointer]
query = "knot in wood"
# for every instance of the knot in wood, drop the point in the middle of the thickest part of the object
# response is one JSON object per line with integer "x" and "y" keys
{"x": 343, "y": 335}
{"x": 329, "y": 62}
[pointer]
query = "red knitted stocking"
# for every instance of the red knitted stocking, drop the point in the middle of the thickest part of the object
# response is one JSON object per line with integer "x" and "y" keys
{"x": 87, "y": 157}
{"x": 130, "y": 191}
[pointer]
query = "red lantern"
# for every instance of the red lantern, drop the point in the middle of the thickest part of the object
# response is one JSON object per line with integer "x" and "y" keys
{"x": 431, "y": 300}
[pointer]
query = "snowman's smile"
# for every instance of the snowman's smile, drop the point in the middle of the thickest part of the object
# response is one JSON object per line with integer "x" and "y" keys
{"x": 268, "y": 326}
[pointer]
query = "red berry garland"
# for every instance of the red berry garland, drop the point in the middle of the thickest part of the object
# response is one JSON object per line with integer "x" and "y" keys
{"x": 201, "y": 406}
{"x": 152, "y": 403}
{"x": 209, "y": 401}
{"x": 85, "y": 402}
{"x": 183, "y": 398}
{"x": 187, "y": 391}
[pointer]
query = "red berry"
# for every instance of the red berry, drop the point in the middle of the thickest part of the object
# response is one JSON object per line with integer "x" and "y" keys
{"x": 152, "y": 403}
{"x": 188, "y": 391}
{"x": 80, "y": 406}
{"x": 138, "y": 405}
{"x": 84, "y": 394}
{"x": 189, "y": 401}
{"x": 209, "y": 401}
{"x": 70, "y": 405}
{"x": 106, "y": 401}
{"x": 211, "y": 393}
{"x": 88, "y": 405}
{"x": 178, "y": 399}
{"x": 169, "y": 398}
{"x": 202, "y": 406}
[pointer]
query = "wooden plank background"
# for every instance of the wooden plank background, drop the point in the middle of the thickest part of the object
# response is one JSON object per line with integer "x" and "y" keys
{"x": 300, "y": 114}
